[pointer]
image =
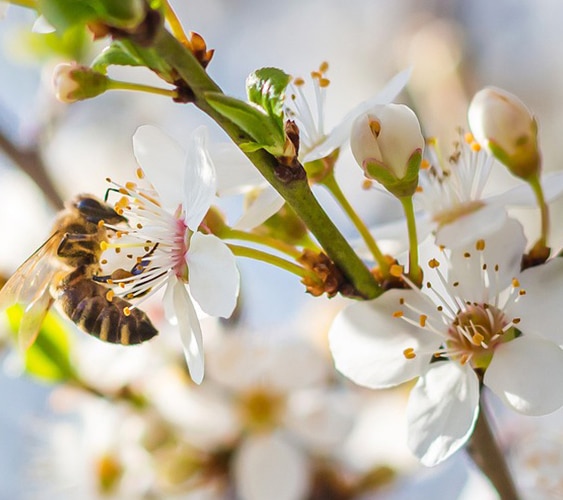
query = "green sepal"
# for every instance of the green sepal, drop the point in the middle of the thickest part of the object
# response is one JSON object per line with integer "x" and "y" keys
{"x": 405, "y": 186}
{"x": 115, "y": 54}
{"x": 48, "y": 358}
{"x": 266, "y": 88}
{"x": 524, "y": 164}
{"x": 251, "y": 119}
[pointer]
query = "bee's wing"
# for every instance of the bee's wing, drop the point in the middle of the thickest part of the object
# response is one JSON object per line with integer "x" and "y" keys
{"x": 33, "y": 277}
{"x": 32, "y": 320}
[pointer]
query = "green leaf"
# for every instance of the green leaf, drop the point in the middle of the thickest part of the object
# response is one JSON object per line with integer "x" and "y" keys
{"x": 72, "y": 45}
{"x": 266, "y": 88}
{"x": 49, "y": 357}
{"x": 251, "y": 119}
{"x": 115, "y": 55}
{"x": 64, "y": 14}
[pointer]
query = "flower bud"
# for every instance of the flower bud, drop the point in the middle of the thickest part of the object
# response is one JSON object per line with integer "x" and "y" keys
{"x": 387, "y": 143}
{"x": 73, "y": 82}
{"x": 502, "y": 123}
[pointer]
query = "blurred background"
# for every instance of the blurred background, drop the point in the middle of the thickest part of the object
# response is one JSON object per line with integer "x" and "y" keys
{"x": 134, "y": 427}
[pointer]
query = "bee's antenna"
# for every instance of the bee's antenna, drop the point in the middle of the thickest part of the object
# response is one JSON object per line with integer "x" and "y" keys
{"x": 106, "y": 196}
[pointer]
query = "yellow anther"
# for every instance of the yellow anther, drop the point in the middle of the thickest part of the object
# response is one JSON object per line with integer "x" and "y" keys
{"x": 367, "y": 184}
{"x": 419, "y": 189}
{"x": 422, "y": 320}
{"x": 323, "y": 68}
{"x": 324, "y": 83}
{"x": 469, "y": 138}
{"x": 123, "y": 191}
{"x": 398, "y": 314}
{"x": 101, "y": 223}
{"x": 431, "y": 141}
{"x": 433, "y": 263}
{"x": 298, "y": 81}
{"x": 131, "y": 186}
{"x": 467, "y": 255}
{"x": 103, "y": 245}
{"x": 109, "y": 295}
{"x": 140, "y": 173}
{"x": 475, "y": 146}
{"x": 516, "y": 321}
{"x": 463, "y": 359}
{"x": 477, "y": 339}
{"x": 515, "y": 283}
{"x": 409, "y": 353}
{"x": 103, "y": 262}
{"x": 401, "y": 301}
{"x": 522, "y": 292}
{"x": 139, "y": 225}
{"x": 375, "y": 128}
{"x": 396, "y": 270}
{"x": 480, "y": 245}
{"x": 127, "y": 311}
{"x": 425, "y": 164}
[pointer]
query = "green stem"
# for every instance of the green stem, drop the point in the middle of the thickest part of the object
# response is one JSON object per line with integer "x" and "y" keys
{"x": 297, "y": 193}
{"x": 415, "y": 273}
{"x": 274, "y": 260}
{"x": 119, "y": 85}
{"x": 330, "y": 183}
{"x": 237, "y": 234}
{"x": 544, "y": 209}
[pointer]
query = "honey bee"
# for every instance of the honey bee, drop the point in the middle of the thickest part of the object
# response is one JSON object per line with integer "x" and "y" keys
{"x": 62, "y": 271}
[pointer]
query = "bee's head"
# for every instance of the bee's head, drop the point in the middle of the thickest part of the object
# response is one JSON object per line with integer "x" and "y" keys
{"x": 94, "y": 210}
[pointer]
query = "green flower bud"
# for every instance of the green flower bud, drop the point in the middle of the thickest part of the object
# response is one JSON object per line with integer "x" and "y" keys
{"x": 73, "y": 82}
{"x": 387, "y": 143}
{"x": 503, "y": 124}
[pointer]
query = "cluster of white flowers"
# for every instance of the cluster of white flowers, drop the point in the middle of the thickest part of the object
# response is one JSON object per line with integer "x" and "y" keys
{"x": 482, "y": 314}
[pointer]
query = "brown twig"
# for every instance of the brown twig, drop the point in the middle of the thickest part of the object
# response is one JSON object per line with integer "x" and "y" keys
{"x": 487, "y": 455}
{"x": 30, "y": 162}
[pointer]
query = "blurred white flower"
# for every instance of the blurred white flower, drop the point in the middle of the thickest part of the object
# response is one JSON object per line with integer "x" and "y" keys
{"x": 469, "y": 320}
{"x": 96, "y": 454}
{"x": 164, "y": 218}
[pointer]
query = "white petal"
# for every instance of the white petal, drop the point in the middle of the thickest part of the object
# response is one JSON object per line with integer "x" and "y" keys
{"x": 341, "y": 133}
{"x": 466, "y": 229}
{"x": 321, "y": 418}
{"x": 213, "y": 274}
{"x": 235, "y": 172}
{"x": 442, "y": 411}
{"x": 523, "y": 195}
{"x": 539, "y": 309}
{"x": 190, "y": 331}
{"x": 199, "y": 179}
{"x": 242, "y": 363}
{"x": 526, "y": 374}
{"x": 268, "y": 467}
{"x": 367, "y": 341}
{"x": 162, "y": 160}
{"x": 503, "y": 248}
{"x": 267, "y": 203}
{"x": 41, "y": 25}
